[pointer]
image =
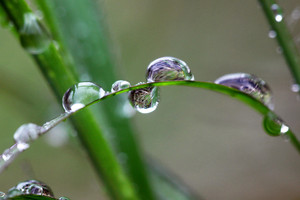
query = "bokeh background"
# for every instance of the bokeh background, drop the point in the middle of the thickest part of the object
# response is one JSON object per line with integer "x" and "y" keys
{"x": 215, "y": 144}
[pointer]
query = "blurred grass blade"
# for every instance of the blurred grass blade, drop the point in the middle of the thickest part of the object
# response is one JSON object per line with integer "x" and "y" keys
{"x": 275, "y": 17}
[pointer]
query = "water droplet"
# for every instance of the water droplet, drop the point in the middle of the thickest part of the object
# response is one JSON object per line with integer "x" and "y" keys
{"x": 295, "y": 87}
{"x": 25, "y": 134}
{"x": 30, "y": 187}
{"x": 272, "y": 34}
{"x": 248, "y": 84}
{"x": 63, "y": 198}
{"x": 275, "y": 126}
{"x": 168, "y": 69}
{"x": 2, "y": 196}
{"x": 277, "y": 12}
{"x": 81, "y": 94}
{"x": 296, "y": 14}
{"x": 144, "y": 100}
{"x": 32, "y": 35}
{"x": 119, "y": 85}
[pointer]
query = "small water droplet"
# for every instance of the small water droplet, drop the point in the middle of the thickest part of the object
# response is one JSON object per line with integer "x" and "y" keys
{"x": 168, "y": 69}
{"x": 63, "y": 198}
{"x": 30, "y": 187}
{"x": 119, "y": 85}
{"x": 296, "y": 14}
{"x": 32, "y": 35}
{"x": 248, "y": 84}
{"x": 277, "y": 12}
{"x": 2, "y": 196}
{"x": 272, "y": 34}
{"x": 295, "y": 87}
{"x": 144, "y": 100}
{"x": 25, "y": 134}
{"x": 275, "y": 126}
{"x": 81, "y": 94}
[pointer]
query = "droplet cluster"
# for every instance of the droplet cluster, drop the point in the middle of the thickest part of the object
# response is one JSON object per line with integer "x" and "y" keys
{"x": 144, "y": 100}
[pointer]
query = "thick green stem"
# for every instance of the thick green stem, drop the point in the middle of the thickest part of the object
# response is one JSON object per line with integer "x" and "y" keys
{"x": 61, "y": 76}
{"x": 275, "y": 18}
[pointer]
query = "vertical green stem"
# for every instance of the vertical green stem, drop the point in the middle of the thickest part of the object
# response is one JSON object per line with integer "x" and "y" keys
{"x": 61, "y": 75}
{"x": 275, "y": 18}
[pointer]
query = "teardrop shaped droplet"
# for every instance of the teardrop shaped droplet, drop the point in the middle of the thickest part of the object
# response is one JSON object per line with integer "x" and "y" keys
{"x": 81, "y": 94}
{"x": 32, "y": 35}
{"x": 278, "y": 14}
{"x": 119, "y": 85}
{"x": 30, "y": 187}
{"x": 144, "y": 100}
{"x": 168, "y": 69}
{"x": 274, "y": 126}
{"x": 248, "y": 84}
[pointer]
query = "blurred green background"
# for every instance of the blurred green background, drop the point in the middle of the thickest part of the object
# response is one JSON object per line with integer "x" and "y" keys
{"x": 215, "y": 144}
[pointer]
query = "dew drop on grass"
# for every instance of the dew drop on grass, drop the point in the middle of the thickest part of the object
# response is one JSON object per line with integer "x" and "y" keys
{"x": 119, "y": 85}
{"x": 2, "y": 196}
{"x": 63, "y": 198}
{"x": 272, "y": 34}
{"x": 248, "y": 84}
{"x": 25, "y": 134}
{"x": 168, "y": 69}
{"x": 275, "y": 126}
{"x": 81, "y": 94}
{"x": 32, "y": 35}
{"x": 144, "y": 100}
{"x": 277, "y": 12}
{"x": 30, "y": 187}
{"x": 295, "y": 87}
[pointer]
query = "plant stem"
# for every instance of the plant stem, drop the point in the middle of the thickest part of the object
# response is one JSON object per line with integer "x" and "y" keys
{"x": 275, "y": 18}
{"x": 61, "y": 76}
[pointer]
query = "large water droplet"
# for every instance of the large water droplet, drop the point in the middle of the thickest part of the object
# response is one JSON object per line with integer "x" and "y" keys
{"x": 30, "y": 187}
{"x": 144, "y": 100}
{"x": 277, "y": 12}
{"x": 119, "y": 85}
{"x": 32, "y": 35}
{"x": 168, "y": 69}
{"x": 81, "y": 94}
{"x": 249, "y": 84}
{"x": 275, "y": 126}
{"x": 25, "y": 134}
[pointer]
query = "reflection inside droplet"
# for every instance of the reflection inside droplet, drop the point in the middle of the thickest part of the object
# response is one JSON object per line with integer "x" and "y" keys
{"x": 144, "y": 100}
{"x": 249, "y": 84}
{"x": 81, "y": 94}
{"x": 168, "y": 69}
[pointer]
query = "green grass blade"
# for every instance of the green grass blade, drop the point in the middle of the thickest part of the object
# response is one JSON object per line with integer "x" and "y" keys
{"x": 283, "y": 36}
{"x": 83, "y": 31}
{"x": 61, "y": 75}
